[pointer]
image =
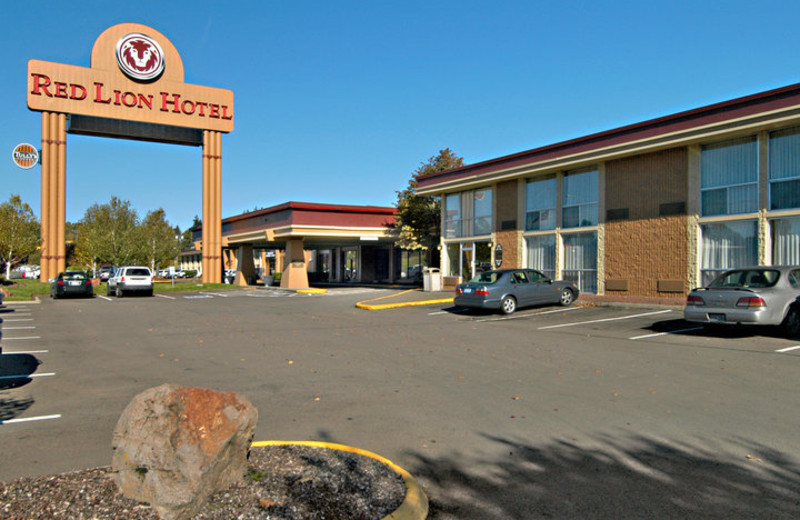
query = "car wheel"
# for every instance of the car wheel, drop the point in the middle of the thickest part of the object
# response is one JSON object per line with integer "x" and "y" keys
{"x": 567, "y": 297}
{"x": 791, "y": 324}
{"x": 508, "y": 305}
{"x": 119, "y": 292}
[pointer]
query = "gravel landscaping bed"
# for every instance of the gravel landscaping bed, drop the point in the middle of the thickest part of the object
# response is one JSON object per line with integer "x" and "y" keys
{"x": 291, "y": 482}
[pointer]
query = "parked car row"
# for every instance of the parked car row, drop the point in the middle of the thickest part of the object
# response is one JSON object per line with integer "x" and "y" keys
{"x": 124, "y": 280}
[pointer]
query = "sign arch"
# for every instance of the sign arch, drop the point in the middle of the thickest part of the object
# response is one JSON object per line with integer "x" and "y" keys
{"x": 134, "y": 89}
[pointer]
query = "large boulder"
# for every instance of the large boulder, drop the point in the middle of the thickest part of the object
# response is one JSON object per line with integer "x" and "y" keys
{"x": 175, "y": 446}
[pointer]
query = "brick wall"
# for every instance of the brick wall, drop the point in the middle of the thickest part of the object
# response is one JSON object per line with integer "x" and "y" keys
{"x": 510, "y": 242}
{"x": 646, "y": 231}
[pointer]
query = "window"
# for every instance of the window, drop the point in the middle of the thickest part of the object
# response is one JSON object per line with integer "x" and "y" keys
{"x": 542, "y": 254}
{"x": 729, "y": 177}
{"x": 786, "y": 241}
{"x": 727, "y": 245}
{"x": 579, "y": 199}
{"x": 468, "y": 214}
{"x": 452, "y": 218}
{"x": 755, "y": 278}
{"x": 580, "y": 261}
{"x": 784, "y": 169}
{"x": 540, "y": 205}
{"x": 482, "y": 211}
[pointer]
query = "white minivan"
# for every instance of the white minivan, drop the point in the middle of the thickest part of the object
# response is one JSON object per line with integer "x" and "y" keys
{"x": 129, "y": 279}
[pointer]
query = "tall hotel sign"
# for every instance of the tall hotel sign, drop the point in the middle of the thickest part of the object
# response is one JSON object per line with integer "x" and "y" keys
{"x": 133, "y": 89}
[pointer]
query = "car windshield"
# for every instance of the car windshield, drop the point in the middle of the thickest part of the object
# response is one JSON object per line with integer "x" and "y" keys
{"x": 749, "y": 278}
{"x": 138, "y": 272}
{"x": 487, "y": 277}
{"x": 75, "y": 275}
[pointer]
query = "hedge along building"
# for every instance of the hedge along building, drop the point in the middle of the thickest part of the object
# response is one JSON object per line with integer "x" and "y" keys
{"x": 650, "y": 210}
{"x": 134, "y": 89}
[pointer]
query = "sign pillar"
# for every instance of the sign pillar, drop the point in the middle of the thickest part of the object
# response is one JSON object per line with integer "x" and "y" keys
{"x": 54, "y": 166}
{"x": 212, "y": 207}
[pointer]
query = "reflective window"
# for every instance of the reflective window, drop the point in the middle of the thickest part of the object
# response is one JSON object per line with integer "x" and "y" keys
{"x": 542, "y": 254}
{"x": 579, "y": 199}
{"x": 482, "y": 211}
{"x": 540, "y": 204}
{"x": 580, "y": 261}
{"x": 727, "y": 245}
{"x": 729, "y": 177}
{"x": 452, "y": 216}
{"x": 786, "y": 241}
{"x": 784, "y": 169}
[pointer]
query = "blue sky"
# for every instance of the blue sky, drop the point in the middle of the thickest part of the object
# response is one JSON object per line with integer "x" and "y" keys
{"x": 340, "y": 101}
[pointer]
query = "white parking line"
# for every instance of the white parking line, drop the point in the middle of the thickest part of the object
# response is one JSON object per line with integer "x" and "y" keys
{"x": 28, "y": 375}
{"x": 21, "y": 337}
{"x": 28, "y": 419}
{"x": 216, "y": 294}
{"x": 165, "y": 296}
{"x": 19, "y": 328}
{"x": 106, "y": 298}
{"x": 455, "y": 311}
{"x": 6, "y": 320}
{"x": 520, "y": 316}
{"x": 788, "y": 349}
{"x": 26, "y": 352}
{"x": 666, "y": 333}
{"x": 606, "y": 319}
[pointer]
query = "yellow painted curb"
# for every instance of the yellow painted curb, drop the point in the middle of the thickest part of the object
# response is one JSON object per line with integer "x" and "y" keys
{"x": 312, "y": 291}
{"x": 383, "y": 306}
{"x": 415, "y": 505}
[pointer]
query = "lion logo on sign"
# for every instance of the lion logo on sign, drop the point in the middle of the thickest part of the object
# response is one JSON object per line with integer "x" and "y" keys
{"x": 140, "y": 57}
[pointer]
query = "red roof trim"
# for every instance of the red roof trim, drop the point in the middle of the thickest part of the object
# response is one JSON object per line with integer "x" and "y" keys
{"x": 313, "y": 206}
{"x": 748, "y": 105}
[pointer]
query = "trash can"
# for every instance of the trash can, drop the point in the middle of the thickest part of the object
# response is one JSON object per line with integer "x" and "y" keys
{"x": 431, "y": 279}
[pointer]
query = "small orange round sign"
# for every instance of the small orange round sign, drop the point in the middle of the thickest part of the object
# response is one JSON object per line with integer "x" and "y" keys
{"x": 25, "y": 156}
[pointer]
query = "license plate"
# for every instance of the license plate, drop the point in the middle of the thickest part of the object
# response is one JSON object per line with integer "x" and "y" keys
{"x": 74, "y": 283}
{"x": 467, "y": 290}
{"x": 713, "y": 316}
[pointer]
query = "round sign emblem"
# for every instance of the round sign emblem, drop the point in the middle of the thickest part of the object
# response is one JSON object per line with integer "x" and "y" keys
{"x": 25, "y": 156}
{"x": 140, "y": 57}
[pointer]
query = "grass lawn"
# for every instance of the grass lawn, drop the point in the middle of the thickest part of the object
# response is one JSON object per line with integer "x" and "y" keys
{"x": 26, "y": 290}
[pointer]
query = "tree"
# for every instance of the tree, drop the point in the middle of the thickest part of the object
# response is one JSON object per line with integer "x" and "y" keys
{"x": 19, "y": 232}
{"x": 159, "y": 241}
{"x": 419, "y": 216}
{"x": 108, "y": 234}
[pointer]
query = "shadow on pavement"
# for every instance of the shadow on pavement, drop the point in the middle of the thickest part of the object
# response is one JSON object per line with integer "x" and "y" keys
{"x": 634, "y": 477}
{"x": 15, "y": 369}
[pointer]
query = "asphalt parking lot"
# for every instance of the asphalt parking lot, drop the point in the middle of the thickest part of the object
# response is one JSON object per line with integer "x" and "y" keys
{"x": 586, "y": 411}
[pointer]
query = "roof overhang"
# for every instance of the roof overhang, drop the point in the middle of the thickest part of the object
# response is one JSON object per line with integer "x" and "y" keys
{"x": 767, "y": 110}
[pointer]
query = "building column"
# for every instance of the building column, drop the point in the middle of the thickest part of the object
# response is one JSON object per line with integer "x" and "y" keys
{"x": 212, "y": 207}
{"x": 54, "y": 195}
{"x": 245, "y": 268}
{"x": 295, "y": 273}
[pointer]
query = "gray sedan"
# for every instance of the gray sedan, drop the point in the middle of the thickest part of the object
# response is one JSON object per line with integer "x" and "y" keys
{"x": 763, "y": 295}
{"x": 507, "y": 289}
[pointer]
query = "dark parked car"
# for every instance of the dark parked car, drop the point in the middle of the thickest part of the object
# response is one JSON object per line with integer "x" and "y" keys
{"x": 763, "y": 295}
{"x": 72, "y": 283}
{"x": 508, "y": 289}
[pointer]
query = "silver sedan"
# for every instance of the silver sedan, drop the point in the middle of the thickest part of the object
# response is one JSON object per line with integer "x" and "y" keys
{"x": 507, "y": 289}
{"x": 763, "y": 295}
